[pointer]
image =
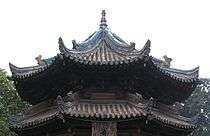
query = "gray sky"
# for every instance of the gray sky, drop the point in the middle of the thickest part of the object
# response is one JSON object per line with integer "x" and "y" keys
{"x": 178, "y": 28}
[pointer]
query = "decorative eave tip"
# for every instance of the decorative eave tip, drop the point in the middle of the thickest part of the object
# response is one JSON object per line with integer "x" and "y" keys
{"x": 103, "y": 19}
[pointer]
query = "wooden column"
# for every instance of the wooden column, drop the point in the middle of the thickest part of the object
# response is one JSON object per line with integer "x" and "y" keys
{"x": 70, "y": 132}
{"x": 104, "y": 129}
{"x": 136, "y": 132}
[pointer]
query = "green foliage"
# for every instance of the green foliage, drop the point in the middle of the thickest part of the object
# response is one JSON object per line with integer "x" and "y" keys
{"x": 198, "y": 106}
{"x": 10, "y": 103}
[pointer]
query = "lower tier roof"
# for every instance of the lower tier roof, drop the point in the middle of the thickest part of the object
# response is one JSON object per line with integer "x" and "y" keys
{"x": 117, "y": 110}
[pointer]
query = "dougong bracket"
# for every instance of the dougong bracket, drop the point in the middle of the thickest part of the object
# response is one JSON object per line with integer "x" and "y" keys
{"x": 61, "y": 104}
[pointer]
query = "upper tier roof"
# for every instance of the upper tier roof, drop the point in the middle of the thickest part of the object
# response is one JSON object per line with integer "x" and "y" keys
{"x": 104, "y": 47}
{"x": 103, "y": 50}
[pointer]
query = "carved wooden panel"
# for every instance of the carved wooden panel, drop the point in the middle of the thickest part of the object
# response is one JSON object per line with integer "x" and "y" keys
{"x": 104, "y": 129}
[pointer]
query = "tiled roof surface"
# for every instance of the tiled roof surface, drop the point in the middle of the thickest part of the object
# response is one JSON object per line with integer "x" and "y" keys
{"x": 101, "y": 110}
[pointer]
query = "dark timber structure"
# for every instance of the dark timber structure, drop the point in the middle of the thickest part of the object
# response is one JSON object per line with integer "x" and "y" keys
{"x": 103, "y": 87}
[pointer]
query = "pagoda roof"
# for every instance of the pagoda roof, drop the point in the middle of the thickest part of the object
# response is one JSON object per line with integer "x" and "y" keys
{"x": 104, "y": 48}
{"x": 103, "y": 51}
{"x": 131, "y": 109}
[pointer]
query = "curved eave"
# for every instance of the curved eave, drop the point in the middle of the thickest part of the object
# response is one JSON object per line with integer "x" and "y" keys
{"x": 178, "y": 74}
{"x": 56, "y": 116}
{"x": 118, "y": 112}
{"x": 102, "y": 54}
{"x": 187, "y": 76}
{"x": 25, "y": 72}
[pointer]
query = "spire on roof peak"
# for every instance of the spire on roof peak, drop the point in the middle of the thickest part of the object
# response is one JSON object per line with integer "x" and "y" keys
{"x": 103, "y": 19}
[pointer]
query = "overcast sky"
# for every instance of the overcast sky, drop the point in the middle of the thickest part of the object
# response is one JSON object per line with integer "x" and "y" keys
{"x": 179, "y": 28}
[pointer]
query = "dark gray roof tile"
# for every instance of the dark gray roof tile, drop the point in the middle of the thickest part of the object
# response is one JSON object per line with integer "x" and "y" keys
{"x": 103, "y": 110}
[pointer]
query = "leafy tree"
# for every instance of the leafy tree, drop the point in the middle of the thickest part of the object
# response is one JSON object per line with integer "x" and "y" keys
{"x": 198, "y": 106}
{"x": 10, "y": 103}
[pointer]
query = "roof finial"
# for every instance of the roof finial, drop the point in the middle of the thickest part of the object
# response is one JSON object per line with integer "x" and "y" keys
{"x": 103, "y": 20}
